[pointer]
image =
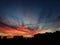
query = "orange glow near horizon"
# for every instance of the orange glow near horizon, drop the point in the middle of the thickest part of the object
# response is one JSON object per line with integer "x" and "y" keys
{"x": 20, "y": 31}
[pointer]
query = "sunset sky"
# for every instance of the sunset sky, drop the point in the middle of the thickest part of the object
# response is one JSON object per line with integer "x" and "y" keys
{"x": 44, "y": 13}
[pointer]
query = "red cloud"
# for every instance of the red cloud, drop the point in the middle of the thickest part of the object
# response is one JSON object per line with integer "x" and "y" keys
{"x": 20, "y": 31}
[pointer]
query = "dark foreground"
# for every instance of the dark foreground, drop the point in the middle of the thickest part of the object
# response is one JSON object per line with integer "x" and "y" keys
{"x": 47, "y": 39}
